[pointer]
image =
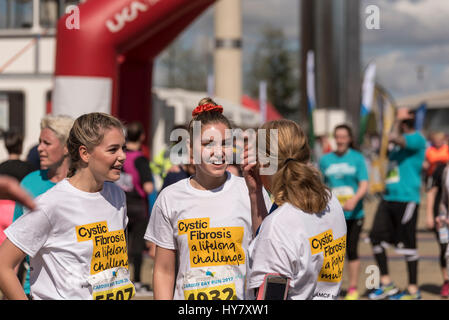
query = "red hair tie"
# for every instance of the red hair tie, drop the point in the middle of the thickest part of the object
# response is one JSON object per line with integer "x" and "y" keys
{"x": 206, "y": 107}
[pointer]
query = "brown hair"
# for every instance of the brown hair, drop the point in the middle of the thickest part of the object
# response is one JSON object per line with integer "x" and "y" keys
{"x": 134, "y": 131}
{"x": 349, "y": 131}
{"x": 88, "y": 130}
{"x": 296, "y": 181}
{"x": 13, "y": 142}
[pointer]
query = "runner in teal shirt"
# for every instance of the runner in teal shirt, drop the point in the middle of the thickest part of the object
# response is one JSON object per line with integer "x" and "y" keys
{"x": 396, "y": 217}
{"x": 345, "y": 173}
{"x": 36, "y": 183}
{"x": 404, "y": 175}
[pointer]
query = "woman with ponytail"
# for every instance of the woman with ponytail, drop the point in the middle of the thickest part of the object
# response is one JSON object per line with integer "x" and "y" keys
{"x": 303, "y": 239}
{"x": 202, "y": 225}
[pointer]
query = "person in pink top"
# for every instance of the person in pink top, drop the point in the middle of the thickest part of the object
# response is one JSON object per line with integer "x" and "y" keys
{"x": 6, "y": 216}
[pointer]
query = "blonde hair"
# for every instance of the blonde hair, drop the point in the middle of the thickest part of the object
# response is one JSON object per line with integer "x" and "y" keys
{"x": 88, "y": 130}
{"x": 295, "y": 181}
{"x": 60, "y": 125}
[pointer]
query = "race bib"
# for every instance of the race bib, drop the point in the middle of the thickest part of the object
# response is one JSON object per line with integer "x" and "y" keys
{"x": 112, "y": 284}
{"x": 343, "y": 194}
{"x": 393, "y": 173}
{"x": 210, "y": 284}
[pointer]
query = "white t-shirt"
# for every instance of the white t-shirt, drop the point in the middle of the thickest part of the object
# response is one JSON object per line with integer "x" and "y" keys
{"x": 71, "y": 236}
{"x": 309, "y": 249}
{"x": 211, "y": 231}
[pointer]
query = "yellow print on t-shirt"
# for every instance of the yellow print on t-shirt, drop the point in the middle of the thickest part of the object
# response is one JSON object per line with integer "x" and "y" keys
{"x": 212, "y": 246}
{"x": 109, "y": 246}
{"x": 334, "y": 255}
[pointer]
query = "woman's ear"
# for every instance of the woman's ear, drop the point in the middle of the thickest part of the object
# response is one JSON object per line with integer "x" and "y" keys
{"x": 66, "y": 151}
{"x": 84, "y": 153}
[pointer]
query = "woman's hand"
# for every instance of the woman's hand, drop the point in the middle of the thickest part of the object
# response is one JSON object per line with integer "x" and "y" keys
{"x": 250, "y": 170}
{"x": 441, "y": 221}
{"x": 252, "y": 178}
{"x": 350, "y": 204}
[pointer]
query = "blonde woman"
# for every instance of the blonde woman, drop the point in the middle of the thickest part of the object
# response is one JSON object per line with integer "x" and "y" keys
{"x": 76, "y": 237}
{"x": 54, "y": 161}
{"x": 303, "y": 239}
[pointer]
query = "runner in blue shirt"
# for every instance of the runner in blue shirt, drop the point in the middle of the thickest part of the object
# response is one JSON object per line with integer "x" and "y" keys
{"x": 345, "y": 172}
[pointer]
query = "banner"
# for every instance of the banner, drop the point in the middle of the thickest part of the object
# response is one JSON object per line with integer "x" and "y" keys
{"x": 311, "y": 100}
{"x": 389, "y": 114}
{"x": 367, "y": 98}
{"x": 420, "y": 114}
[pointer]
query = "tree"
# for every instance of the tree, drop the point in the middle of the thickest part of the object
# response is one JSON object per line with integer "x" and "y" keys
{"x": 274, "y": 63}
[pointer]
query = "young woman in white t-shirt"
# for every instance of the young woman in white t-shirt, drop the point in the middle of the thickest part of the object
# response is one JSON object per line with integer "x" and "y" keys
{"x": 75, "y": 237}
{"x": 304, "y": 239}
{"x": 202, "y": 225}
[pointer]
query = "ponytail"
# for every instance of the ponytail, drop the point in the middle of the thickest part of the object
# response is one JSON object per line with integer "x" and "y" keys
{"x": 296, "y": 181}
{"x": 300, "y": 185}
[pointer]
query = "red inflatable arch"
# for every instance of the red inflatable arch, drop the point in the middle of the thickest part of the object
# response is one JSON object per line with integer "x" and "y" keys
{"x": 106, "y": 64}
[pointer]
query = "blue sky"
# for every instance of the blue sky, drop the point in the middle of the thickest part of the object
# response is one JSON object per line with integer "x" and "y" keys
{"x": 412, "y": 33}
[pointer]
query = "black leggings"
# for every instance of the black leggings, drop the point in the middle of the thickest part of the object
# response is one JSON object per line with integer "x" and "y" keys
{"x": 395, "y": 223}
{"x": 354, "y": 227}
